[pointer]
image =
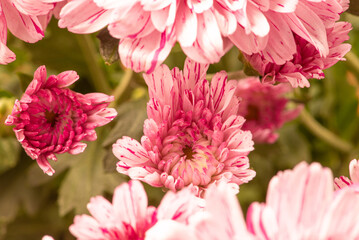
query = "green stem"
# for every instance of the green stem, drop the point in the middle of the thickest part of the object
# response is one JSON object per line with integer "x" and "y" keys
{"x": 321, "y": 132}
{"x": 98, "y": 77}
{"x": 353, "y": 61}
{"x": 122, "y": 86}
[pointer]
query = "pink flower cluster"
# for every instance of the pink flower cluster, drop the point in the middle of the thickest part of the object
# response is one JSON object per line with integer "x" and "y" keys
{"x": 264, "y": 108}
{"x": 148, "y": 29}
{"x": 193, "y": 133}
{"x": 26, "y": 20}
{"x": 51, "y": 119}
{"x": 301, "y": 204}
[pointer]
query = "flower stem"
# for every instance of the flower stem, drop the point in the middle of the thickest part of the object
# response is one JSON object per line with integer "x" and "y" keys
{"x": 321, "y": 132}
{"x": 122, "y": 86}
{"x": 353, "y": 60}
{"x": 98, "y": 77}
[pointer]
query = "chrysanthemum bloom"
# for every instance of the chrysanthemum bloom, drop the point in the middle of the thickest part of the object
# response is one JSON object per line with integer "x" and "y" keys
{"x": 301, "y": 204}
{"x": 129, "y": 216}
{"x": 221, "y": 218}
{"x": 51, "y": 119}
{"x": 264, "y": 108}
{"x": 193, "y": 134}
{"x": 343, "y": 181}
{"x": 205, "y": 30}
{"x": 26, "y": 20}
{"x": 307, "y": 62}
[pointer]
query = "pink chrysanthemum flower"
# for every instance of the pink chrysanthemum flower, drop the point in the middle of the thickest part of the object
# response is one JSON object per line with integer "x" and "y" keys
{"x": 221, "y": 218}
{"x": 343, "y": 181}
{"x": 301, "y": 204}
{"x": 307, "y": 62}
{"x": 264, "y": 108}
{"x": 193, "y": 134}
{"x": 26, "y": 20}
{"x": 51, "y": 119}
{"x": 129, "y": 216}
{"x": 205, "y": 30}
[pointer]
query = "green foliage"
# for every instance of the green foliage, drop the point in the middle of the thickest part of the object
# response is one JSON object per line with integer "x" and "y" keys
{"x": 85, "y": 179}
{"x": 9, "y": 152}
{"x": 16, "y": 194}
{"x": 131, "y": 116}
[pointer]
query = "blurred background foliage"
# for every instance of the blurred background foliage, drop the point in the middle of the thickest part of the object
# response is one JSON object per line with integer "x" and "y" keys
{"x": 33, "y": 204}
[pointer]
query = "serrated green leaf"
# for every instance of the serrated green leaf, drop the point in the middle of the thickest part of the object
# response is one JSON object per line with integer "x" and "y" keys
{"x": 130, "y": 118}
{"x": 85, "y": 179}
{"x": 36, "y": 177}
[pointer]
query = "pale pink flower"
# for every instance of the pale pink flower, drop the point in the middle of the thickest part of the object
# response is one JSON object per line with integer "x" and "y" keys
{"x": 193, "y": 134}
{"x": 343, "y": 181}
{"x": 205, "y": 30}
{"x": 301, "y": 204}
{"x": 264, "y": 108}
{"x": 129, "y": 216}
{"x": 51, "y": 119}
{"x": 26, "y": 20}
{"x": 221, "y": 218}
{"x": 47, "y": 237}
{"x": 307, "y": 61}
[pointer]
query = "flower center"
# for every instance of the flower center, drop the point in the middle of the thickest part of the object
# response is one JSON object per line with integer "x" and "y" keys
{"x": 51, "y": 117}
{"x": 188, "y": 152}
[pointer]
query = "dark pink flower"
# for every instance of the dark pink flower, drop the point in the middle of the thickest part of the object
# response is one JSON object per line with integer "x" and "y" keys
{"x": 193, "y": 133}
{"x": 307, "y": 61}
{"x": 205, "y": 29}
{"x": 129, "y": 217}
{"x": 301, "y": 204}
{"x": 264, "y": 108}
{"x": 51, "y": 119}
{"x": 343, "y": 181}
{"x": 26, "y": 20}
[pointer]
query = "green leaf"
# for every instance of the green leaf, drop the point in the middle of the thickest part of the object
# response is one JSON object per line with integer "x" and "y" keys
{"x": 5, "y": 94}
{"x": 36, "y": 177}
{"x": 108, "y": 47}
{"x": 59, "y": 51}
{"x": 267, "y": 159}
{"x": 130, "y": 118}
{"x": 9, "y": 152}
{"x": 85, "y": 179}
{"x": 16, "y": 192}
{"x": 25, "y": 80}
